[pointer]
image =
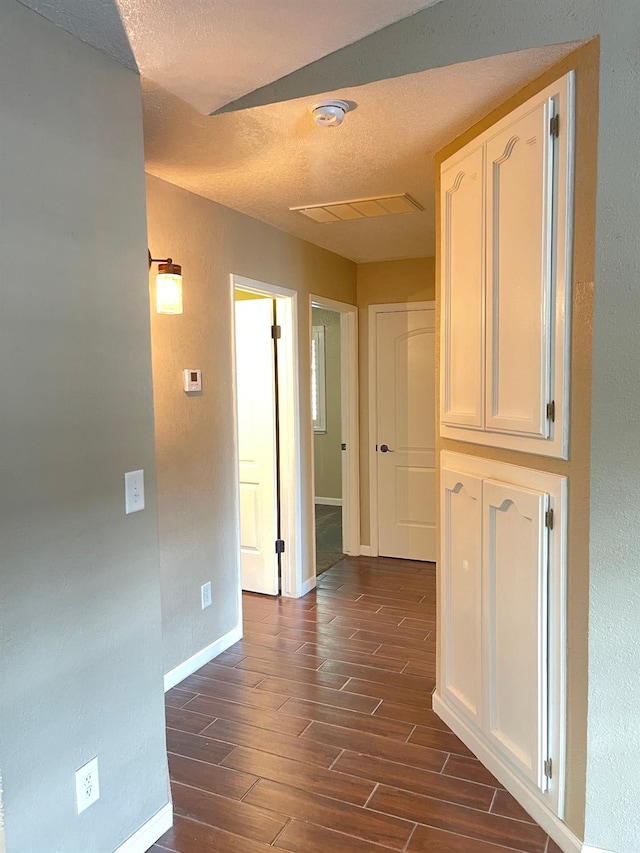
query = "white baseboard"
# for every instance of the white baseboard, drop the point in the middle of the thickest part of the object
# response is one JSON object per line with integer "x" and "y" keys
{"x": 328, "y": 501}
{"x": 365, "y": 550}
{"x": 551, "y": 823}
{"x": 307, "y": 586}
{"x": 180, "y": 672}
{"x": 149, "y": 833}
{"x": 588, "y": 849}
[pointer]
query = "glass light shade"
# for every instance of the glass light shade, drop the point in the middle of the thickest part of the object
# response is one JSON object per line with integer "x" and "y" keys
{"x": 169, "y": 290}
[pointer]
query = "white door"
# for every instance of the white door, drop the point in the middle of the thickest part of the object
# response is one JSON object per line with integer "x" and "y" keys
{"x": 516, "y": 625}
{"x": 462, "y": 288}
{"x": 519, "y": 274}
{"x": 405, "y": 436}
{"x": 255, "y": 388}
{"x": 461, "y": 549}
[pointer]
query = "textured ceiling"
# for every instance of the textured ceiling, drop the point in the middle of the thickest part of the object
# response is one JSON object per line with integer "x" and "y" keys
{"x": 262, "y": 161}
{"x": 211, "y": 52}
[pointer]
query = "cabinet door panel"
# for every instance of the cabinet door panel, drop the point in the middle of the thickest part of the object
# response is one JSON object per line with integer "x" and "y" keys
{"x": 462, "y": 590}
{"x": 462, "y": 193}
{"x": 519, "y": 237}
{"x": 515, "y": 607}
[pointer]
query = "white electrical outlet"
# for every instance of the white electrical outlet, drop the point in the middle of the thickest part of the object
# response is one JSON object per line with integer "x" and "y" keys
{"x": 205, "y": 594}
{"x": 87, "y": 784}
{"x": 133, "y": 491}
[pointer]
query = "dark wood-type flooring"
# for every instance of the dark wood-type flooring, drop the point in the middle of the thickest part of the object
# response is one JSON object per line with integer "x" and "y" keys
{"x": 315, "y": 734}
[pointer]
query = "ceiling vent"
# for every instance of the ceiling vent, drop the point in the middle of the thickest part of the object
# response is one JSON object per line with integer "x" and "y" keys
{"x": 361, "y": 208}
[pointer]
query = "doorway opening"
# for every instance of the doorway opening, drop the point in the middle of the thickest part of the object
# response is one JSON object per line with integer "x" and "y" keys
{"x": 335, "y": 442}
{"x": 267, "y": 436}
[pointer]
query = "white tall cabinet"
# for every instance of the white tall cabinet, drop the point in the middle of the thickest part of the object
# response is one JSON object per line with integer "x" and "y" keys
{"x": 505, "y": 273}
{"x": 502, "y": 609}
{"x": 505, "y": 225}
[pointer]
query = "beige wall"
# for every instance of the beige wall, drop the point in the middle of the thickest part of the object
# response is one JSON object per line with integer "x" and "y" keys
{"x": 80, "y": 622}
{"x": 585, "y": 62}
{"x": 195, "y": 435}
{"x": 379, "y": 283}
{"x": 326, "y": 446}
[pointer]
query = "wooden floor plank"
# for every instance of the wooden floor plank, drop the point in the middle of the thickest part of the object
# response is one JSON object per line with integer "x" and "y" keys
{"x": 210, "y": 777}
{"x": 398, "y": 775}
{"x": 315, "y": 732}
{"x": 214, "y": 708}
{"x": 351, "y": 720}
{"x": 381, "y": 747}
{"x": 318, "y": 780}
{"x": 333, "y": 814}
{"x": 471, "y": 822}
{"x": 239, "y": 818}
{"x": 239, "y": 734}
{"x": 303, "y": 837}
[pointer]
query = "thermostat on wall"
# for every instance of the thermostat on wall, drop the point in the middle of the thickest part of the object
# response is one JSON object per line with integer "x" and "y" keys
{"x": 192, "y": 380}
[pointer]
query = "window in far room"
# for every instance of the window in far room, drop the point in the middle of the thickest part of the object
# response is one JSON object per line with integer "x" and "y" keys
{"x": 318, "y": 387}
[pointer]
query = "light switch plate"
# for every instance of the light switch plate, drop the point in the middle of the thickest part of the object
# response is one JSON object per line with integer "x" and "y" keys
{"x": 133, "y": 491}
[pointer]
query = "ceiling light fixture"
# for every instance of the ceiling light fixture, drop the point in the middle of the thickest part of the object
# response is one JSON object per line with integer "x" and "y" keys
{"x": 168, "y": 286}
{"x": 330, "y": 113}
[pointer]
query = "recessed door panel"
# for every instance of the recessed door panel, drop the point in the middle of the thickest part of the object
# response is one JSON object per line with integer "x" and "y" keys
{"x": 515, "y": 624}
{"x": 461, "y": 556}
{"x": 519, "y": 274}
{"x": 462, "y": 289}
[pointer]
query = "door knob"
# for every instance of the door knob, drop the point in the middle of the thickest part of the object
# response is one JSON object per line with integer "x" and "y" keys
{"x": 385, "y": 449}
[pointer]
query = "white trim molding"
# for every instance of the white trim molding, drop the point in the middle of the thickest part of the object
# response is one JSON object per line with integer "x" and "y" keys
{"x": 587, "y": 848}
{"x": 328, "y": 501}
{"x": 365, "y": 550}
{"x": 188, "y": 667}
{"x": 350, "y": 424}
{"x": 308, "y": 585}
{"x": 149, "y": 832}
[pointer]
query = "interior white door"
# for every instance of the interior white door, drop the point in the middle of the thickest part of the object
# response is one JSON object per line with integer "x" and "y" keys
{"x": 461, "y": 563}
{"x": 256, "y": 398}
{"x": 519, "y": 274}
{"x": 516, "y": 625}
{"x": 462, "y": 287}
{"x": 405, "y": 436}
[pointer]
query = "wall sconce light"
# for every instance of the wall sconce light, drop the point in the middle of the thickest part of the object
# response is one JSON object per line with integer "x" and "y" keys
{"x": 168, "y": 286}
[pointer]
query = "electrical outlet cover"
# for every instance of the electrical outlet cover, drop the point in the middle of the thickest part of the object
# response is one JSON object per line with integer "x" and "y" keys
{"x": 87, "y": 784}
{"x": 205, "y": 594}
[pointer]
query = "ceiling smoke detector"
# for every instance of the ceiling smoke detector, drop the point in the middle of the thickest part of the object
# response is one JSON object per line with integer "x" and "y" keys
{"x": 330, "y": 113}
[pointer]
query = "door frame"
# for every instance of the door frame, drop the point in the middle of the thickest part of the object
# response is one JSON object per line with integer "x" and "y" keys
{"x": 349, "y": 427}
{"x": 289, "y": 411}
{"x": 374, "y": 310}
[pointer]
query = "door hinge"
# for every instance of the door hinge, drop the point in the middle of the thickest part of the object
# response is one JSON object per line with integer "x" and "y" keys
{"x": 276, "y": 332}
{"x": 554, "y": 125}
{"x": 343, "y": 446}
{"x": 279, "y": 546}
{"x": 548, "y": 768}
{"x": 551, "y": 411}
{"x": 548, "y": 519}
